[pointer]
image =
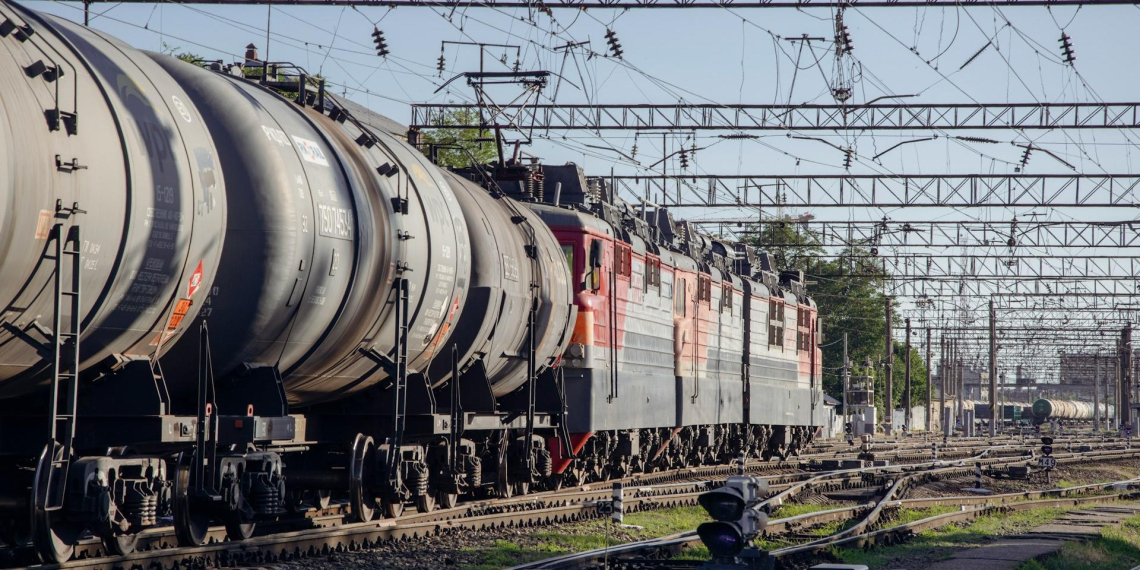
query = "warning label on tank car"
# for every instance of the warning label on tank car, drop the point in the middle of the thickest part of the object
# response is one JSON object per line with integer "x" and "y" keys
{"x": 310, "y": 151}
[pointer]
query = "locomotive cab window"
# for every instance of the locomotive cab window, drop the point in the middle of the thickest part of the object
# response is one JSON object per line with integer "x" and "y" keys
{"x": 568, "y": 251}
{"x": 594, "y": 277}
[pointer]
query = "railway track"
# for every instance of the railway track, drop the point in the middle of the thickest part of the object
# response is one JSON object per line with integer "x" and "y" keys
{"x": 320, "y": 531}
{"x": 638, "y": 554}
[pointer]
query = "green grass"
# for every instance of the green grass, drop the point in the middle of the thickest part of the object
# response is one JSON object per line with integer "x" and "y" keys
{"x": 940, "y": 543}
{"x": 795, "y": 509}
{"x": 587, "y": 535}
{"x": 1116, "y": 547}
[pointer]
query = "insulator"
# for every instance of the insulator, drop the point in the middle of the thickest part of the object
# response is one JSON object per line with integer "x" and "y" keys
{"x": 442, "y": 63}
{"x": 381, "y": 43}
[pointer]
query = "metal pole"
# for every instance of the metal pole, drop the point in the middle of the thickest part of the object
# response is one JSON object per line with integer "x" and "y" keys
{"x": 888, "y": 369}
{"x": 846, "y": 378}
{"x": 929, "y": 379}
{"x": 1096, "y": 392}
{"x": 1126, "y": 380}
{"x": 906, "y": 391}
{"x": 958, "y": 384}
{"x": 942, "y": 415}
{"x": 268, "y": 19}
{"x": 993, "y": 371}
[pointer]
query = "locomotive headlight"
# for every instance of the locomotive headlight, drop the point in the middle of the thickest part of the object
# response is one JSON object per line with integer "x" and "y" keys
{"x": 577, "y": 350}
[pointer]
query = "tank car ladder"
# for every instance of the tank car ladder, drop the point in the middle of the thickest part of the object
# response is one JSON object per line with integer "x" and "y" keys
{"x": 65, "y": 356}
{"x": 399, "y": 384}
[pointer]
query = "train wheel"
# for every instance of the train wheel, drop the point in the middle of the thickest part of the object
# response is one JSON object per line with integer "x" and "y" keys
{"x": 238, "y": 528}
{"x": 53, "y": 536}
{"x": 448, "y": 500}
{"x": 191, "y": 518}
{"x": 360, "y": 472}
{"x": 393, "y": 507}
{"x": 120, "y": 545}
{"x": 425, "y": 503}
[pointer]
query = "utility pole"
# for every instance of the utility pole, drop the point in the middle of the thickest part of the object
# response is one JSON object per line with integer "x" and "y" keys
{"x": 889, "y": 397}
{"x": 908, "y": 420}
{"x": 1116, "y": 392}
{"x": 846, "y": 377}
{"x": 958, "y": 384}
{"x": 942, "y": 415}
{"x": 993, "y": 371}
{"x": 1125, "y": 404}
{"x": 1096, "y": 392}
{"x": 929, "y": 379}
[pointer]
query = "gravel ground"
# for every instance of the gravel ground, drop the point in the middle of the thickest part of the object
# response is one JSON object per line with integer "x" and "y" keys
{"x": 467, "y": 549}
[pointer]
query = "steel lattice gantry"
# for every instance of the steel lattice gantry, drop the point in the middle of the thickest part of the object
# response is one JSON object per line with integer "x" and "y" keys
{"x": 624, "y": 4}
{"x": 1009, "y": 267}
{"x": 880, "y": 116}
{"x": 945, "y": 233}
{"x": 886, "y": 190}
{"x": 1105, "y": 292}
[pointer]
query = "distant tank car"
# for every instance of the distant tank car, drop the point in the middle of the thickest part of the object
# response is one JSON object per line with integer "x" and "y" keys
{"x": 1053, "y": 409}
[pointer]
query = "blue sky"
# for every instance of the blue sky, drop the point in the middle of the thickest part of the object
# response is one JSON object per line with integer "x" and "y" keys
{"x": 717, "y": 55}
{"x": 705, "y": 56}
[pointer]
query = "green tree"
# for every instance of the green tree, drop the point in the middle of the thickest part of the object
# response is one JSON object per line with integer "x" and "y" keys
{"x": 455, "y": 146}
{"x": 848, "y": 293}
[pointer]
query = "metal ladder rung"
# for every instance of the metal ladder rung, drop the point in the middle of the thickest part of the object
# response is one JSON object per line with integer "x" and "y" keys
{"x": 70, "y": 252}
{"x": 69, "y": 293}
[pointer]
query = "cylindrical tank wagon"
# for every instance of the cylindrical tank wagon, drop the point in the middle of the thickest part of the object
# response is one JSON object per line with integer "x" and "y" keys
{"x": 1054, "y": 409}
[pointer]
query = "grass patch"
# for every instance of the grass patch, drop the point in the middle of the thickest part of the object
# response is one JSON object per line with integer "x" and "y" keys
{"x": 940, "y": 543}
{"x": 1116, "y": 547}
{"x": 795, "y": 509}
{"x": 587, "y": 535}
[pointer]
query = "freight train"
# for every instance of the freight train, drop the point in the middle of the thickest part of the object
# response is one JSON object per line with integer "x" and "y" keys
{"x": 227, "y": 294}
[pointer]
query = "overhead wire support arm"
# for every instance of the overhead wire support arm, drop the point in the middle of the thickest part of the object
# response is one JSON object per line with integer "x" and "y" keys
{"x": 815, "y": 117}
{"x": 891, "y": 190}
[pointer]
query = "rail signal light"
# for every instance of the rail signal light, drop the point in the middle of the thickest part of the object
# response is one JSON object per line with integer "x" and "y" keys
{"x": 381, "y": 43}
{"x": 1067, "y": 48}
{"x": 1047, "y": 446}
{"x": 615, "y": 45}
{"x": 738, "y": 522}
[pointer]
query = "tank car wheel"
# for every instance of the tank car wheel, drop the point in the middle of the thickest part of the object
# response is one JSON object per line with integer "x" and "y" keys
{"x": 425, "y": 503}
{"x": 554, "y": 482}
{"x": 447, "y": 500}
{"x": 393, "y": 507}
{"x": 53, "y": 537}
{"x": 191, "y": 517}
{"x": 238, "y": 528}
{"x": 121, "y": 544}
{"x": 360, "y": 472}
